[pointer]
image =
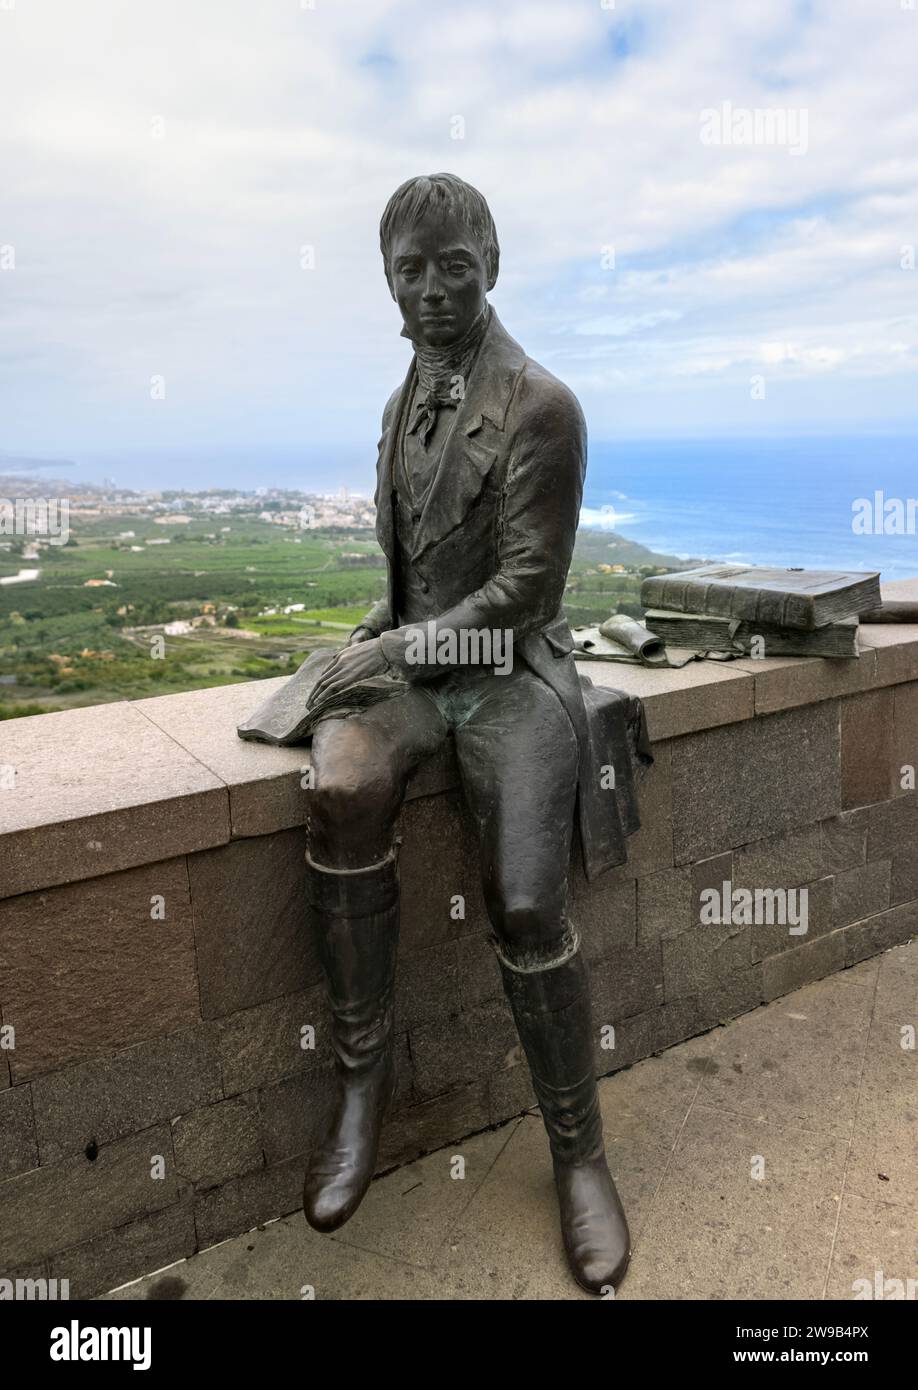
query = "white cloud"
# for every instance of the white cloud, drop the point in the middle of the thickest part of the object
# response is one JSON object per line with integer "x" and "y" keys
{"x": 283, "y": 127}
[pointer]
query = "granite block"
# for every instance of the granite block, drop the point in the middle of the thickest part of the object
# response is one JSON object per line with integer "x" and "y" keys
{"x": 90, "y": 966}
{"x": 102, "y": 1100}
{"x": 754, "y": 779}
{"x": 253, "y": 929}
{"x": 98, "y": 790}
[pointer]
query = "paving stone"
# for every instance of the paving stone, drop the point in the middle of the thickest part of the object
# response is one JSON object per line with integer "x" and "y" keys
{"x": 875, "y": 1245}
{"x": 883, "y": 1160}
{"x": 664, "y": 904}
{"x": 861, "y": 892}
{"x": 50, "y": 1209}
{"x": 892, "y": 928}
{"x": 740, "y": 1237}
{"x": 796, "y": 1061}
{"x": 62, "y": 823}
{"x": 506, "y": 1243}
{"x": 115, "y": 1096}
{"x": 111, "y": 1259}
{"x": 87, "y": 968}
{"x": 18, "y": 1146}
{"x": 261, "y": 1045}
{"x": 754, "y": 779}
{"x": 409, "y": 1218}
{"x": 883, "y": 1163}
{"x": 218, "y": 1141}
{"x": 897, "y": 984}
{"x": 282, "y": 1261}
{"x": 254, "y": 934}
{"x": 844, "y": 841}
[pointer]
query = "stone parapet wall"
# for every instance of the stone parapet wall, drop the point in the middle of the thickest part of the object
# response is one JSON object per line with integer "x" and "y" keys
{"x": 157, "y": 971}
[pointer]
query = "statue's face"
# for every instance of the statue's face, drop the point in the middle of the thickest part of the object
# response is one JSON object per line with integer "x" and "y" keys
{"x": 439, "y": 279}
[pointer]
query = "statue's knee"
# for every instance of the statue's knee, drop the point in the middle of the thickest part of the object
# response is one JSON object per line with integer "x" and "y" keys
{"x": 351, "y": 814}
{"x": 333, "y": 802}
{"x": 525, "y": 923}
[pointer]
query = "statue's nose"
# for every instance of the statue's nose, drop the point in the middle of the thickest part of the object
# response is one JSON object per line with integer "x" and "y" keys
{"x": 433, "y": 290}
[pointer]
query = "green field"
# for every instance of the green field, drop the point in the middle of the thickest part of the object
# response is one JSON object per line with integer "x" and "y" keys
{"x": 64, "y": 644}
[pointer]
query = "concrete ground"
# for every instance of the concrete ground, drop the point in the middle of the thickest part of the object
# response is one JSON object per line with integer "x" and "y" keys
{"x": 776, "y": 1157}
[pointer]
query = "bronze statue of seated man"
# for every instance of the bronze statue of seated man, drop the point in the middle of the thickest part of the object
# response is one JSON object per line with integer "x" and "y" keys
{"x": 480, "y": 476}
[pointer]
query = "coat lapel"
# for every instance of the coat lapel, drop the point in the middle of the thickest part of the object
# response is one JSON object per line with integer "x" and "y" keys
{"x": 476, "y": 437}
{"x": 385, "y": 526}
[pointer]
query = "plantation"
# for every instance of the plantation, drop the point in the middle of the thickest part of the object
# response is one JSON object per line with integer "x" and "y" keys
{"x": 64, "y": 644}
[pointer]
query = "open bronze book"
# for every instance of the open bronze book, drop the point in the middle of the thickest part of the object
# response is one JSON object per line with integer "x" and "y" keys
{"x": 287, "y": 717}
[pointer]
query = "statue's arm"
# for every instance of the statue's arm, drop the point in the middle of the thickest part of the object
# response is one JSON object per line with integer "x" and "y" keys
{"x": 540, "y": 509}
{"x": 374, "y": 622}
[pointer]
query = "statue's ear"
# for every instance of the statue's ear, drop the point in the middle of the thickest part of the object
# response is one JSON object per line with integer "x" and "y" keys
{"x": 493, "y": 267}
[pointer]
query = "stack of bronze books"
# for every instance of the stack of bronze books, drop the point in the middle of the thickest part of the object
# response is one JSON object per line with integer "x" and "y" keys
{"x": 751, "y": 609}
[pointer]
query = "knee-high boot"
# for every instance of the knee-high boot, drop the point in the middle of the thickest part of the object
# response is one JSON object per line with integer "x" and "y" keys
{"x": 356, "y": 914}
{"x": 551, "y": 1005}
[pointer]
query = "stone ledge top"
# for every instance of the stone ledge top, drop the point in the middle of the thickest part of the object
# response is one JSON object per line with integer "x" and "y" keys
{"x": 109, "y": 787}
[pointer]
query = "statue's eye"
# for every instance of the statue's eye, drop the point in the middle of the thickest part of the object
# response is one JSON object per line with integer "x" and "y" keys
{"x": 457, "y": 268}
{"x": 409, "y": 272}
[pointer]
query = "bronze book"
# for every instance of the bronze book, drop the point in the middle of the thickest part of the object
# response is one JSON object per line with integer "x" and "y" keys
{"x": 703, "y": 632}
{"x": 288, "y": 717}
{"x": 779, "y": 598}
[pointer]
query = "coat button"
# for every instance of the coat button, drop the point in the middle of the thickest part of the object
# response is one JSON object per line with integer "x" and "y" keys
{"x": 425, "y": 587}
{"x": 415, "y": 516}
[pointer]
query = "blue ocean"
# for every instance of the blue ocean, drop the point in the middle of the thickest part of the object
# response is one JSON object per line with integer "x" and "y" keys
{"x": 782, "y": 501}
{"x": 778, "y": 501}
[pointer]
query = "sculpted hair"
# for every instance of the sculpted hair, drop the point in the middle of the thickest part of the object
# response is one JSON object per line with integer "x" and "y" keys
{"x": 451, "y": 194}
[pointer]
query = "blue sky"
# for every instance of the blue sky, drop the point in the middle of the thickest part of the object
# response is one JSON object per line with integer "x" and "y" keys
{"x": 165, "y": 165}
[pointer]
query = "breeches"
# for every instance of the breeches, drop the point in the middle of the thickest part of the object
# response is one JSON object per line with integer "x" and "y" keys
{"x": 518, "y": 762}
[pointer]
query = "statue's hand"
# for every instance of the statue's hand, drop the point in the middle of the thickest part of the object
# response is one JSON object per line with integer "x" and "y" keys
{"x": 353, "y": 664}
{"x": 360, "y": 634}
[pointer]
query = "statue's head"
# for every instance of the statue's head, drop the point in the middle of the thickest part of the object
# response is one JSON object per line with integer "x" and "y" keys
{"x": 441, "y": 255}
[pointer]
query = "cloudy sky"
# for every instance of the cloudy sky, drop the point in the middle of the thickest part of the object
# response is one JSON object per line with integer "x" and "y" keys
{"x": 164, "y": 165}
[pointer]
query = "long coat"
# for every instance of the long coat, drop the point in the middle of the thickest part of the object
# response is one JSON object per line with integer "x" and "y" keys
{"x": 493, "y": 547}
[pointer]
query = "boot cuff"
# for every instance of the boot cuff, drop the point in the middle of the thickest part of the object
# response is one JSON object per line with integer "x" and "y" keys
{"x": 353, "y": 892}
{"x": 558, "y": 952}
